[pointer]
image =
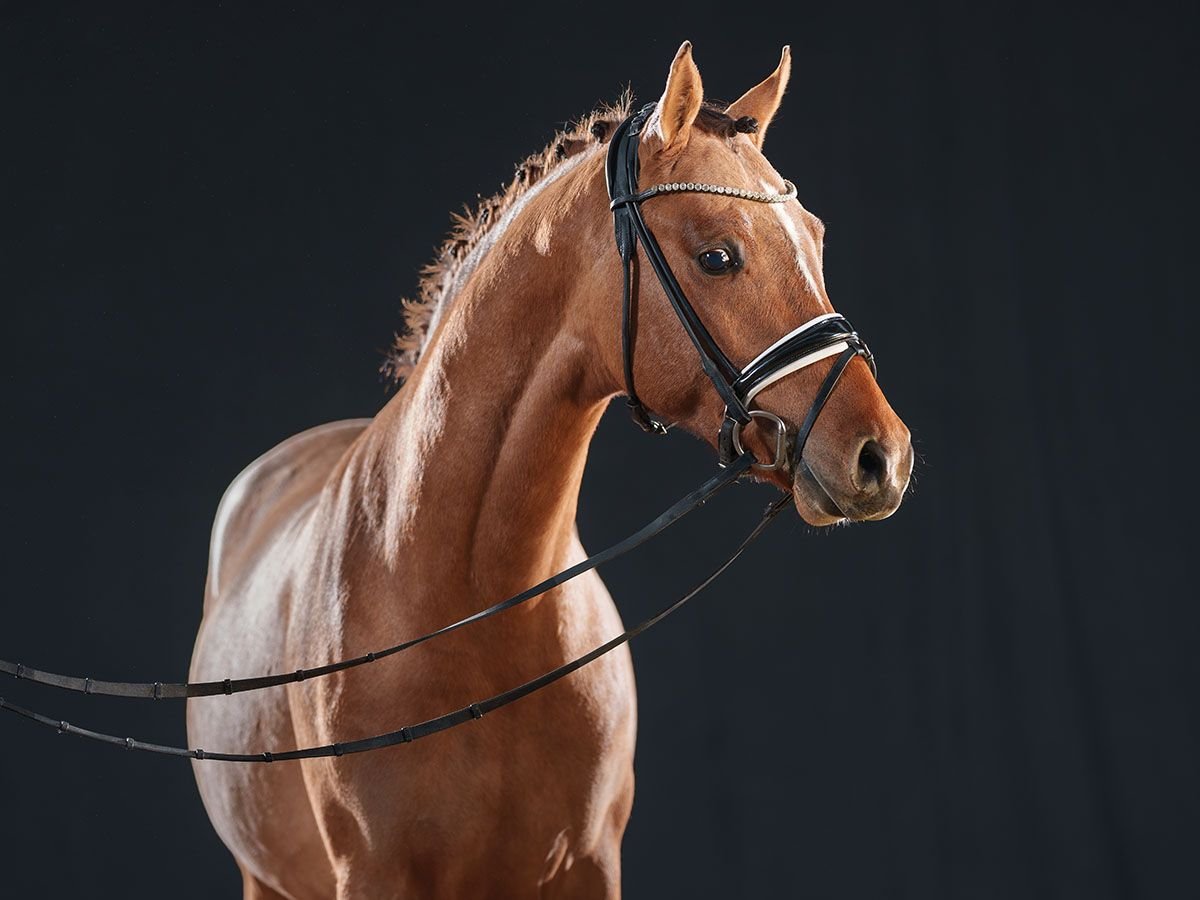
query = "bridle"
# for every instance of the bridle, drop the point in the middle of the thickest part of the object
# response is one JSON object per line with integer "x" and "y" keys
{"x": 815, "y": 340}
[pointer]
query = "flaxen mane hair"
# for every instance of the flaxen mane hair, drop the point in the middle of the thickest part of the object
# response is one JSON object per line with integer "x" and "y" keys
{"x": 469, "y": 227}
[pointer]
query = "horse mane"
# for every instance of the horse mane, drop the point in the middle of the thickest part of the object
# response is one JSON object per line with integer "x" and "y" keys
{"x": 438, "y": 279}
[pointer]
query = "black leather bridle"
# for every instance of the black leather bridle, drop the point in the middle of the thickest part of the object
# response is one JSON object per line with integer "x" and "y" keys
{"x": 817, "y": 339}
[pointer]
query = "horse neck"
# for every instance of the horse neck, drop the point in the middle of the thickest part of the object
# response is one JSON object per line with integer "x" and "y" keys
{"x": 474, "y": 468}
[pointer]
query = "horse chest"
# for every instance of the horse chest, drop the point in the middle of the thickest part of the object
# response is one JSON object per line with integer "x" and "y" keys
{"x": 557, "y": 762}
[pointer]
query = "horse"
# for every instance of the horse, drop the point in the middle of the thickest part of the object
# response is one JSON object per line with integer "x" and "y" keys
{"x": 463, "y": 489}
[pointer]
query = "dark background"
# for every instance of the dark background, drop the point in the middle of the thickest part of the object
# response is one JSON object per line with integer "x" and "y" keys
{"x": 209, "y": 217}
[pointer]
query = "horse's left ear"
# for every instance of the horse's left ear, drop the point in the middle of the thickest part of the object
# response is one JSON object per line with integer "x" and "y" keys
{"x": 762, "y": 100}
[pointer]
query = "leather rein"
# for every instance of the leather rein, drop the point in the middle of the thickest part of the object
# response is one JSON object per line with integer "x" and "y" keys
{"x": 817, "y": 339}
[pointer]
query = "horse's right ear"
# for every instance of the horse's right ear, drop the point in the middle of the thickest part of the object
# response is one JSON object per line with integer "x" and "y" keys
{"x": 761, "y": 102}
{"x": 680, "y": 103}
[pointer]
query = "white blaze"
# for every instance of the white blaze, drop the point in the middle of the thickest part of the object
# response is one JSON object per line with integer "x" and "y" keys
{"x": 803, "y": 255}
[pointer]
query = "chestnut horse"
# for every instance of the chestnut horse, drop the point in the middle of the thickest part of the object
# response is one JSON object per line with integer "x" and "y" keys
{"x": 463, "y": 490}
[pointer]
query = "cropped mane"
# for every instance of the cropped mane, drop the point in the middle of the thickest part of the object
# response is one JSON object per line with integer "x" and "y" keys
{"x": 439, "y": 278}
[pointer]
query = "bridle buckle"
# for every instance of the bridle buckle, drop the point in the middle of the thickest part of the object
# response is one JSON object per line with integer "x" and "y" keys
{"x": 780, "y": 460}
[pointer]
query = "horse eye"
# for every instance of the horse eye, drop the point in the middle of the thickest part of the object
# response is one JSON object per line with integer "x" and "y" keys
{"x": 716, "y": 261}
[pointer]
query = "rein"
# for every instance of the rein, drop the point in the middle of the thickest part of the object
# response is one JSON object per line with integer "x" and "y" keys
{"x": 411, "y": 733}
{"x": 818, "y": 339}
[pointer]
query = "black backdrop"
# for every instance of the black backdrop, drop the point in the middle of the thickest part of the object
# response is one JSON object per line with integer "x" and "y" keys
{"x": 208, "y": 220}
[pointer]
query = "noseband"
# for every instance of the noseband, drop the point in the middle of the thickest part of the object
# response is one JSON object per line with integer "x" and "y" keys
{"x": 817, "y": 339}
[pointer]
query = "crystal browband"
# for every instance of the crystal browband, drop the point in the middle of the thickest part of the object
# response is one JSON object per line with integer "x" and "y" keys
{"x": 696, "y": 187}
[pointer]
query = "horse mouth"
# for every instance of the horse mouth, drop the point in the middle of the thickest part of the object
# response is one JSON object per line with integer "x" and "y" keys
{"x": 813, "y": 502}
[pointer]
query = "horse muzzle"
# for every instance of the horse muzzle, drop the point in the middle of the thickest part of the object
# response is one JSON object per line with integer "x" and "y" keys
{"x": 865, "y": 485}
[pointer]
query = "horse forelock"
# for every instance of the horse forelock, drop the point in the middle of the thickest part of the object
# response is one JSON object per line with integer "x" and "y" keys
{"x": 439, "y": 279}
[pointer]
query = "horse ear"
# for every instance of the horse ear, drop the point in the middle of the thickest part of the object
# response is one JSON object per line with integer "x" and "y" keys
{"x": 762, "y": 100}
{"x": 680, "y": 103}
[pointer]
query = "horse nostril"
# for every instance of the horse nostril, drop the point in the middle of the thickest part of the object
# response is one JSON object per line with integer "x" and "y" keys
{"x": 872, "y": 467}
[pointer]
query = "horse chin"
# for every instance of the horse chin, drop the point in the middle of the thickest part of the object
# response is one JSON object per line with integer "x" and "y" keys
{"x": 813, "y": 503}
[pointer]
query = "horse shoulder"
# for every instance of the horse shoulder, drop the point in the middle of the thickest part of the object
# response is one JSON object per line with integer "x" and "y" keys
{"x": 268, "y": 495}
